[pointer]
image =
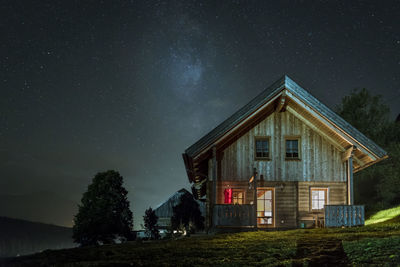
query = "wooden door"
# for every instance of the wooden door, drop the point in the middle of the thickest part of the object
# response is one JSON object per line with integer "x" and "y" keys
{"x": 265, "y": 207}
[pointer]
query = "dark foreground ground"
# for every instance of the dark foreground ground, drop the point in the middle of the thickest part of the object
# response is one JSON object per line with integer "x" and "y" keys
{"x": 377, "y": 244}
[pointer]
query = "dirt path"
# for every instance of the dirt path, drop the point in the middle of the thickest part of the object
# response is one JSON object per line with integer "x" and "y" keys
{"x": 321, "y": 252}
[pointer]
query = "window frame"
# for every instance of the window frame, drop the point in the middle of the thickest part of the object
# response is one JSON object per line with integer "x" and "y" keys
{"x": 262, "y": 138}
{"x": 293, "y": 137}
{"x": 326, "y": 195}
{"x": 272, "y": 189}
{"x": 243, "y": 196}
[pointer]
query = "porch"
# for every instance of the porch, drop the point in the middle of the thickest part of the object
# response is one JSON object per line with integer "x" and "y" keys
{"x": 245, "y": 216}
{"x": 234, "y": 215}
{"x": 344, "y": 215}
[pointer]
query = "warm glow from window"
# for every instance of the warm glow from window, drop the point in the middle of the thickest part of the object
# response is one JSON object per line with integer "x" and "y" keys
{"x": 238, "y": 196}
{"x": 264, "y": 206}
{"x": 318, "y": 198}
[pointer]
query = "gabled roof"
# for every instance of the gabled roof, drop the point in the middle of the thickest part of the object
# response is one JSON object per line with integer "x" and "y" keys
{"x": 272, "y": 91}
{"x": 237, "y": 117}
{"x": 165, "y": 209}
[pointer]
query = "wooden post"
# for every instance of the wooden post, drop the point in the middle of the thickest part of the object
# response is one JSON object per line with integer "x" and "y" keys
{"x": 214, "y": 181}
{"x": 208, "y": 206}
{"x": 255, "y": 197}
{"x": 350, "y": 180}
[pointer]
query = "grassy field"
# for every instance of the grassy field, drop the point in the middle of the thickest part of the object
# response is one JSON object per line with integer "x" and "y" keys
{"x": 373, "y": 244}
{"x": 384, "y": 216}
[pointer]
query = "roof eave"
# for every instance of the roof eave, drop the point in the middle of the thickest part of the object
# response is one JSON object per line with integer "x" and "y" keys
{"x": 224, "y": 127}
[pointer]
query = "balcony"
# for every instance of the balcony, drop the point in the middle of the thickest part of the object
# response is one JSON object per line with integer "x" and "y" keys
{"x": 234, "y": 215}
{"x": 344, "y": 215}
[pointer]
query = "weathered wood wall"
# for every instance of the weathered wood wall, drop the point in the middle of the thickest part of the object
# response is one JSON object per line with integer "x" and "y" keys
{"x": 319, "y": 159}
{"x": 285, "y": 206}
{"x": 221, "y": 186}
{"x": 292, "y": 199}
{"x": 336, "y": 194}
{"x": 285, "y": 203}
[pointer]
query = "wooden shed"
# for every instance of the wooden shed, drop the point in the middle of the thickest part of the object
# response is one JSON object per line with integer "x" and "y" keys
{"x": 164, "y": 211}
{"x": 284, "y": 160}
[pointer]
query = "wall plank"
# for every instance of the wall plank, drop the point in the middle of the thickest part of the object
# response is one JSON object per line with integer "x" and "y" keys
{"x": 320, "y": 160}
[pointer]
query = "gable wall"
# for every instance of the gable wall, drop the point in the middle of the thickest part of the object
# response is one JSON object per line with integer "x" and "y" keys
{"x": 320, "y": 160}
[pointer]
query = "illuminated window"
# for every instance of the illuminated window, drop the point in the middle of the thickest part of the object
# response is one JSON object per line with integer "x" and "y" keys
{"x": 238, "y": 196}
{"x": 265, "y": 207}
{"x": 262, "y": 148}
{"x": 319, "y": 197}
{"x": 292, "y": 148}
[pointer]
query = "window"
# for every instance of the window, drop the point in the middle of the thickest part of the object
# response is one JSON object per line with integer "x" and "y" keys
{"x": 319, "y": 197}
{"x": 233, "y": 196}
{"x": 292, "y": 148}
{"x": 238, "y": 196}
{"x": 262, "y": 148}
{"x": 265, "y": 207}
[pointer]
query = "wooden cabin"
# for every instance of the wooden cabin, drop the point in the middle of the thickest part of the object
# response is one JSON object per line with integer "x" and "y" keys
{"x": 164, "y": 211}
{"x": 284, "y": 160}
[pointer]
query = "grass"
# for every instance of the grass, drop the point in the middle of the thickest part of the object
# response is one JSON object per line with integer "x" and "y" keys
{"x": 383, "y": 215}
{"x": 373, "y": 244}
{"x": 374, "y": 251}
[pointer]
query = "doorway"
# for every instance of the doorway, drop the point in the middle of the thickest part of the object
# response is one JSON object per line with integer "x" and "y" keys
{"x": 265, "y": 207}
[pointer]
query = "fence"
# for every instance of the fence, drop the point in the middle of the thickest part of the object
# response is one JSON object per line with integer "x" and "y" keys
{"x": 344, "y": 215}
{"x": 234, "y": 215}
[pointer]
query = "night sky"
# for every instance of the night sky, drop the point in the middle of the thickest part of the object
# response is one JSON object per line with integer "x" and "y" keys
{"x": 88, "y": 86}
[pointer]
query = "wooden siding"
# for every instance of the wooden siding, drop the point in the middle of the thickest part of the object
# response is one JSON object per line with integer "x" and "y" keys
{"x": 336, "y": 195}
{"x": 320, "y": 159}
{"x": 285, "y": 203}
{"x": 248, "y": 193}
{"x": 285, "y": 199}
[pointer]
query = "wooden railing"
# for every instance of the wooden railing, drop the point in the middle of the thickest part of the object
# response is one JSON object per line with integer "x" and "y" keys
{"x": 344, "y": 215}
{"x": 234, "y": 215}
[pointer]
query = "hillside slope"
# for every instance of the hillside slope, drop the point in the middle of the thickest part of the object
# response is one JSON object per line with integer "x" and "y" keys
{"x": 384, "y": 216}
{"x": 356, "y": 246}
{"x": 19, "y": 237}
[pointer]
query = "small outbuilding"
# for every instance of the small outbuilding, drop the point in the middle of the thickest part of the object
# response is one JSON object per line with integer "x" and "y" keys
{"x": 164, "y": 211}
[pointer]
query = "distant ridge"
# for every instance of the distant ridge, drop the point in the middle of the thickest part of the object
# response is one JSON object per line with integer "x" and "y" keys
{"x": 20, "y": 237}
{"x": 44, "y": 206}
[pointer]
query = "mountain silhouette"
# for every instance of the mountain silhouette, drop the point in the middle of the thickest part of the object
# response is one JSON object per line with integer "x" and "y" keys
{"x": 46, "y": 207}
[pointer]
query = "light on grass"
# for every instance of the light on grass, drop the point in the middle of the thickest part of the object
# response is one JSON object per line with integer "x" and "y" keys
{"x": 383, "y": 215}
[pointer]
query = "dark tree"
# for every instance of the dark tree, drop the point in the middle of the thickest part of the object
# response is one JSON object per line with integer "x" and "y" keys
{"x": 150, "y": 223}
{"x": 104, "y": 213}
{"x": 187, "y": 214}
{"x": 378, "y": 186}
{"x": 365, "y": 112}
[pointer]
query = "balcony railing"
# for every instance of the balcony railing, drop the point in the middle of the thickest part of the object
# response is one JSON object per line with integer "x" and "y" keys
{"x": 344, "y": 215}
{"x": 234, "y": 215}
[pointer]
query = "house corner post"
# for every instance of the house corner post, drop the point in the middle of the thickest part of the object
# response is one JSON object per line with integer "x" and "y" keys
{"x": 214, "y": 183}
{"x": 350, "y": 180}
{"x": 255, "y": 197}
